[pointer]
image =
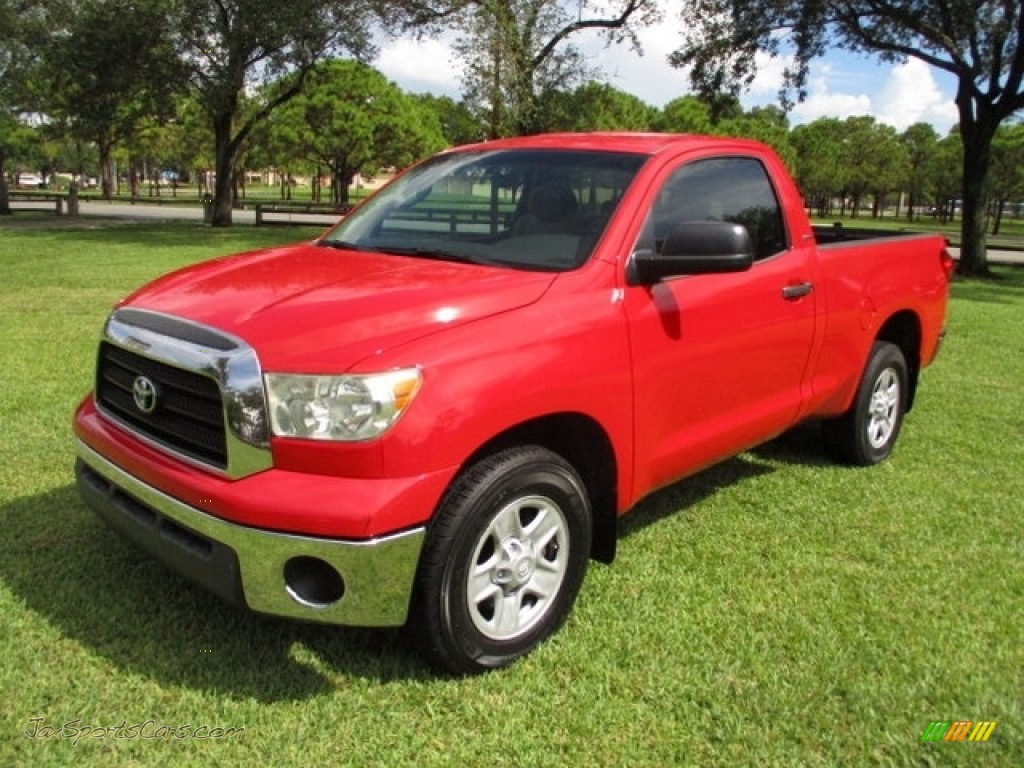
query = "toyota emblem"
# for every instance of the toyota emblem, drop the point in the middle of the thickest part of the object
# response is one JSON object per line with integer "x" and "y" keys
{"x": 144, "y": 394}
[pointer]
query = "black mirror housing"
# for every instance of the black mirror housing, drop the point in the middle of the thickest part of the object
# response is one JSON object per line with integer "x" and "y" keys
{"x": 695, "y": 248}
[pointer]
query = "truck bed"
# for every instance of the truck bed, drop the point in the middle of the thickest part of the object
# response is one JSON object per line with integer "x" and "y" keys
{"x": 840, "y": 233}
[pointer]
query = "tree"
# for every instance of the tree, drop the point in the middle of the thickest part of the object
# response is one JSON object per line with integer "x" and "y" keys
{"x": 919, "y": 141}
{"x": 765, "y": 124}
{"x": 722, "y": 115}
{"x": 876, "y": 160}
{"x": 25, "y": 146}
{"x": 233, "y": 46}
{"x": 979, "y": 42}
{"x": 351, "y": 119}
{"x": 687, "y": 114}
{"x": 1007, "y": 177}
{"x": 109, "y": 71}
{"x": 516, "y": 50}
{"x": 8, "y": 121}
{"x": 593, "y": 106}
{"x": 20, "y": 22}
{"x": 820, "y": 168}
{"x": 458, "y": 124}
{"x": 849, "y": 160}
{"x": 155, "y": 147}
{"x": 945, "y": 172}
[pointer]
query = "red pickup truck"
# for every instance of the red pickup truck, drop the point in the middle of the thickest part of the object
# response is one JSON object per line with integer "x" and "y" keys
{"x": 433, "y": 415}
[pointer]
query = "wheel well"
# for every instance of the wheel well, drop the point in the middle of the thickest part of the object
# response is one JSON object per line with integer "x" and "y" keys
{"x": 904, "y": 330}
{"x": 583, "y": 443}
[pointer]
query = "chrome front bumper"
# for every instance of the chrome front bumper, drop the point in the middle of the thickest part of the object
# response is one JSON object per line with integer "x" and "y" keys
{"x": 272, "y": 572}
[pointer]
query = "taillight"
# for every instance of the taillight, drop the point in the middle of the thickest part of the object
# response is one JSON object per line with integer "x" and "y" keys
{"x": 948, "y": 263}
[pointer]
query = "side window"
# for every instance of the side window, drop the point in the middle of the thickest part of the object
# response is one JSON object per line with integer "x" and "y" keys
{"x": 735, "y": 189}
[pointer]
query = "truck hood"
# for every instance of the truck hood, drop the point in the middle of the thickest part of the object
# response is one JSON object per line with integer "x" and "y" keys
{"x": 315, "y": 309}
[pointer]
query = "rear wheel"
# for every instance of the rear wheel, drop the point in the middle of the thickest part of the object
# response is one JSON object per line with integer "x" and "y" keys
{"x": 504, "y": 560}
{"x": 866, "y": 434}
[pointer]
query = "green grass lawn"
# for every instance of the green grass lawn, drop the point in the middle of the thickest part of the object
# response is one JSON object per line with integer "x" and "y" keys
{"x": 774, "y": 610}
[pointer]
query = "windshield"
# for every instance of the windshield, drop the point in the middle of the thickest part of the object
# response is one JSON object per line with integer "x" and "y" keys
{"x": 519, "y": 208}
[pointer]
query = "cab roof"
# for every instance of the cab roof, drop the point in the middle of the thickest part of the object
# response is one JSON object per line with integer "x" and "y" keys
{"x": 614, "y": 141}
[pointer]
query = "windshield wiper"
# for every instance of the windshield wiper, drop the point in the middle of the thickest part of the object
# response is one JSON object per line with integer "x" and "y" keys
{"x": 426, "y": 252}
{"x": 418, "y": 251}
{"x": 348, "y": 245}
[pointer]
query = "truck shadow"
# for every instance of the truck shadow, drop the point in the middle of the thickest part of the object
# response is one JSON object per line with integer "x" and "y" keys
{"x": 800, "y": 446}
{"x": 66, "y": 567}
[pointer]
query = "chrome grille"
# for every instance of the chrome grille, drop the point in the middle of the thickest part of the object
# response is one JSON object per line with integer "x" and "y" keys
{"x": 187, "y": 388}
{"x": 189, "y": 415}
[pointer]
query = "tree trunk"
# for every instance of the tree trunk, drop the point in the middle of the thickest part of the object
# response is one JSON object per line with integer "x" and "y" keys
{"x": 133, "y": 177}
{"x": 5, "y": 199}
{"x": 494, "y": 130}
{"x": 342, "y": 175}
{"x": 106, "y": 149}
{"x": 998, "y": 221}
{"x": 978, "y": 126}
{"x": 224, "y": 162}
{"x": 973, "y": 226}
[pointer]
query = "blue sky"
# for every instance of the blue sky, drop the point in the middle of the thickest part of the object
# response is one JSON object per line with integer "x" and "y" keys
{"x": 841, "y": 84}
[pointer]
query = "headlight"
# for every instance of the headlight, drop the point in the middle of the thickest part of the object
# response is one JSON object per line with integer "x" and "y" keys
{"x": 356, "y": 407}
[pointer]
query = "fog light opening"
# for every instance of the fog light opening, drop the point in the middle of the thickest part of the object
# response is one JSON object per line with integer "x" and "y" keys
{"x": 312, "y": 582}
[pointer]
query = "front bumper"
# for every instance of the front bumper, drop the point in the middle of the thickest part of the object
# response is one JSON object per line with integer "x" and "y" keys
{"x": 362, "y": 583}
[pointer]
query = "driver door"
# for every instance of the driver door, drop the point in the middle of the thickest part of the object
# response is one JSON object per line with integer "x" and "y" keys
{"x": 719, "y": 359}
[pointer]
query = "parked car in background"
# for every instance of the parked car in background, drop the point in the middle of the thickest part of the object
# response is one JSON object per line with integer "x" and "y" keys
{"x": 30, "y": 181}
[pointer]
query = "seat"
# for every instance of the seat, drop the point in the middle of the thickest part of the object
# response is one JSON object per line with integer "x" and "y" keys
{"x": 550, "y": 208}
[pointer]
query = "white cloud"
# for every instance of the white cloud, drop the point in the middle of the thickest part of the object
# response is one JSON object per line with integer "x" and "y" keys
{"x": 911, "y": 95}
{"x": 769, "y": 77}
{"x": 649, "y": 76}
{"x": 897, "y": 95}
{"x": 840, "y": 86}
{"x": 821, "y": 101}
{"x": 421, "y": 66}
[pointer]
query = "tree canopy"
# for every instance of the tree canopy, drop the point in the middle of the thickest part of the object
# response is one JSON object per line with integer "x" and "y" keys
{"x": 516, "y": 50}
{"x": 208, "y": 86}
{"x": 979, "y": 42}
{"x": 18, "y": 22}
{"x": 113, "y": 70}
{"x": 350, "y": 119}
{"x": 593, "y": 106}
{"x": 230, "y": 46}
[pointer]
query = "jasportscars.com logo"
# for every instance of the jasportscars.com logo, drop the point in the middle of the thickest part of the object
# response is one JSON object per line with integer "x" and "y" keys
{"x": 958, "y": 730}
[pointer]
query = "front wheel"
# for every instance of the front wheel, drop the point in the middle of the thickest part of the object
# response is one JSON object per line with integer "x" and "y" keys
{"x": 866, "y": 434}
{"x": 504, "y": 560}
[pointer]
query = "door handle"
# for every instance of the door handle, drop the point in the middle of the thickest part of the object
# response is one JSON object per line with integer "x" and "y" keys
{"x": 798, "y": 291}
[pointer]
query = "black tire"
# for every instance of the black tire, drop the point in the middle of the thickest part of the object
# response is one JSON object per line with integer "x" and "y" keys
{"x": 504, "y": 559}
{"x": 866, "y": 434}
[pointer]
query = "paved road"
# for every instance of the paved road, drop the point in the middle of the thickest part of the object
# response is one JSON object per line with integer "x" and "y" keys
{"x": 996, "y": 256}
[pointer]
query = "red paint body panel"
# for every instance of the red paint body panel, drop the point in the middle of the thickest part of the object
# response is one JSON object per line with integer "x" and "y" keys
{"x": 677, "y": 375}
{"x": 311, "y": 309}
{"x": 278, "y": 499}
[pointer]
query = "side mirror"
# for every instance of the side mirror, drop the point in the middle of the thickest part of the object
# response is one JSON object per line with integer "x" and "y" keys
{"x": 695, "y": 248}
